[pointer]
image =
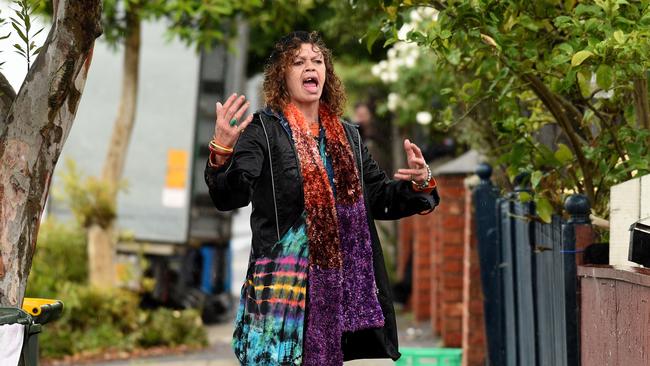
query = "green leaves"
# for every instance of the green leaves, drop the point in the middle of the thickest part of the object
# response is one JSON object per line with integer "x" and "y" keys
{"x": 584, "y": 82}
{"x": 453, "y": 56}
{"x": 544, "y": 209}
{"x": 556, "y": 89}
{"x": 536, "y": 178}
{"x": 605, "y": 76}
{"x": 580, "y": 56}
{"x": 563, "y": 154}
{"x": 619, "y": 36}
{"x": 23, "y": 26}
{"x": 371, "y": 36}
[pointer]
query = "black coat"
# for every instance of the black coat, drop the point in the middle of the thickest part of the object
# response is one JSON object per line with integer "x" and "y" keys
{"x": 275, "y": 188}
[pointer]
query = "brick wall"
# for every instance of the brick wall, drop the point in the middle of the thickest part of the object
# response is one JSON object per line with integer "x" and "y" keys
{"x": 446, "y": 275}
{"x": 473, "y": 326}
{"x": 422, "y": 266}
{"x": 437, "y": 259}
{"x": 449, "y": 221}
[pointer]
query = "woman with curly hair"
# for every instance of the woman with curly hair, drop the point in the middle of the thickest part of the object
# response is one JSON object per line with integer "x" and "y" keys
{"x": 316, "y": 290}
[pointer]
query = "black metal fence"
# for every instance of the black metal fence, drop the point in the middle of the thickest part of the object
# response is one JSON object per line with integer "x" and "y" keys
{"x": 528, "y": 274}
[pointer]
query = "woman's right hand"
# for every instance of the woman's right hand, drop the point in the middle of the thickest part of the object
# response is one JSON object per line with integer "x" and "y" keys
{"x": 225, "y": 134}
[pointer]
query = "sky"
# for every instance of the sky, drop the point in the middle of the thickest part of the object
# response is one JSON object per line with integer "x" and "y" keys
{"x": 15, "y": 65}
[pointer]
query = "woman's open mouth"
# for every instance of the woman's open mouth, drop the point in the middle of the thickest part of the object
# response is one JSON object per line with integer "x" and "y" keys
{"x": 310, "y": 84}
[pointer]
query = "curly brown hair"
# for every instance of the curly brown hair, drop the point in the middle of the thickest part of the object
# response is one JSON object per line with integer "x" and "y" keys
{"x": 275, "y": 91}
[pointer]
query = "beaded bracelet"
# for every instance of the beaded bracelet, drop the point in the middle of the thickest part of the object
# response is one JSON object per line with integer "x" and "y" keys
{"x": 424, "y": 184}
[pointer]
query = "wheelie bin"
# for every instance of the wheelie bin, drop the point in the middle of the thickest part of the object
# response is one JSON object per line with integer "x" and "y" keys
{"x": 19, "y": 329}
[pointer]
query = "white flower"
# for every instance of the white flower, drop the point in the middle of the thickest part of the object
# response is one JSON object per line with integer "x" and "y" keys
{"x": 415, "y": 16}
{"x": 423, "y": 118}
{"x": 376, "y": 69}
{"x": 604, "y": 94}
{"x": 406, "y": 28}
{"x": 393, "y": 101}
{"x": 430, "y": 13}
{"x": 409, "y": 61}
{"x": 392, "y": 66}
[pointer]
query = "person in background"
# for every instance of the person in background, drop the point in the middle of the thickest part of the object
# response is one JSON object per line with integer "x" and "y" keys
{"x": 378, "y": 146}
{"x": 316, "y": 291}
{"x": 363, "y": 116}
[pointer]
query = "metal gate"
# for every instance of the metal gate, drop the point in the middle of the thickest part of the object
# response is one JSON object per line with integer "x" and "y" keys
{"x": 528, "y": 274}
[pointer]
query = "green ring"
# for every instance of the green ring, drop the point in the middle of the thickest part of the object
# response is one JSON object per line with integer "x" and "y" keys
{"x": 233, "y": 122}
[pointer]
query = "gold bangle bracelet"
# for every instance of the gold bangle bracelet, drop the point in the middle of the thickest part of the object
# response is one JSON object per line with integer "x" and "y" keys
{"x": 220, "y": 151}
{"x": 217, "y": 146}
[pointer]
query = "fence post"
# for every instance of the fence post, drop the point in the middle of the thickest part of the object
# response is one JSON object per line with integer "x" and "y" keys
{"x": 507, "y": 273}
{"x": 525, "y": 272}
{"x": 576, "y": 235}
{"x": 484, "y": 198}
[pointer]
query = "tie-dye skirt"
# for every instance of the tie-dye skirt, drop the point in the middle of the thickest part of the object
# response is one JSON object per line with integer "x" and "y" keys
{"x": 271, "y": 312}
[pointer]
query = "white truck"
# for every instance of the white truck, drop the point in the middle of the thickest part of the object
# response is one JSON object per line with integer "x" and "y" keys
{"x": 173, "y": 221}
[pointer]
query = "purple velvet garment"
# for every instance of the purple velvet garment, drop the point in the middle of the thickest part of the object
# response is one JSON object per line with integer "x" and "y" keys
{"x": 360, "y": 306}
{"x": 341, "y": 299}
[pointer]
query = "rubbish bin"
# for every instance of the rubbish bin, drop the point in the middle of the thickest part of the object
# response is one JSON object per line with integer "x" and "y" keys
{"x": 19, "y": 330}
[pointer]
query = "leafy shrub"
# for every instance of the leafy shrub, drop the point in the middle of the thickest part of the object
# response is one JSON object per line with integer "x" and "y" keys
{"x": 60, "y": 258}
{"x": 171, "y": 328}
{"x": 97, "y": 320}
{"x": 92, "y": 320}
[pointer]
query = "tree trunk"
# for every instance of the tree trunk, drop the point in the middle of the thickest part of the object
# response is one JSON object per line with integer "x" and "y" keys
{"x": 34, "y": 129}
{"x": 641, "y": 103}
{"x": 100, "y": 243}
{"x": 100, "y": 246}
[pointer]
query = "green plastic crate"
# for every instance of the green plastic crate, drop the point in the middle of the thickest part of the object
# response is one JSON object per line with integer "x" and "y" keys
{"x": 430, "y": 357}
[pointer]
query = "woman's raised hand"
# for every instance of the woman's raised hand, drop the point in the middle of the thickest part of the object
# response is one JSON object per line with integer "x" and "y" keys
{"x": 417, "y": 170}
{"x": 225, "y": 132}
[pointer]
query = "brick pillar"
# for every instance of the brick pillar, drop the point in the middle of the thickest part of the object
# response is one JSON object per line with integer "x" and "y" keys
{"x": 422, "y": 266}
{"x": 436, "y": 278}
{"x": 473, "y": 325}
{"x": 449, "y": 221}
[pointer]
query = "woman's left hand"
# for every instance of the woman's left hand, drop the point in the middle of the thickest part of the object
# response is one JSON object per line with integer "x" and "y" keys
{"x": 417, "y": 170}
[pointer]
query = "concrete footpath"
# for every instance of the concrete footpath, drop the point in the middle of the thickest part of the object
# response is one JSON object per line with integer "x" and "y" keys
{"x": 219, "y": 352}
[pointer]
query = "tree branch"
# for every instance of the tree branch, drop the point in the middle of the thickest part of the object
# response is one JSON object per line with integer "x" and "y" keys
{"x": 577, "y": 115}
{"x": 551, "y": 102}
{"x": 610, "y": 128}
{"x": 7, "y": 97}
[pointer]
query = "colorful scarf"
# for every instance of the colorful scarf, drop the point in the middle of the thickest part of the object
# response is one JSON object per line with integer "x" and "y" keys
{"x": 342, "y": 294}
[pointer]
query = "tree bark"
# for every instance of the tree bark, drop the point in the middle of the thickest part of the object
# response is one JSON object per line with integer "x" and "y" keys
{"x": 116, "y": 156}
{"x": 641, "y": 103}
{"x": 7, "y": 96}
{"x": 100, "y": 239}
{"x": 100, "y": 247}
{"x": 34, "y": 130}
